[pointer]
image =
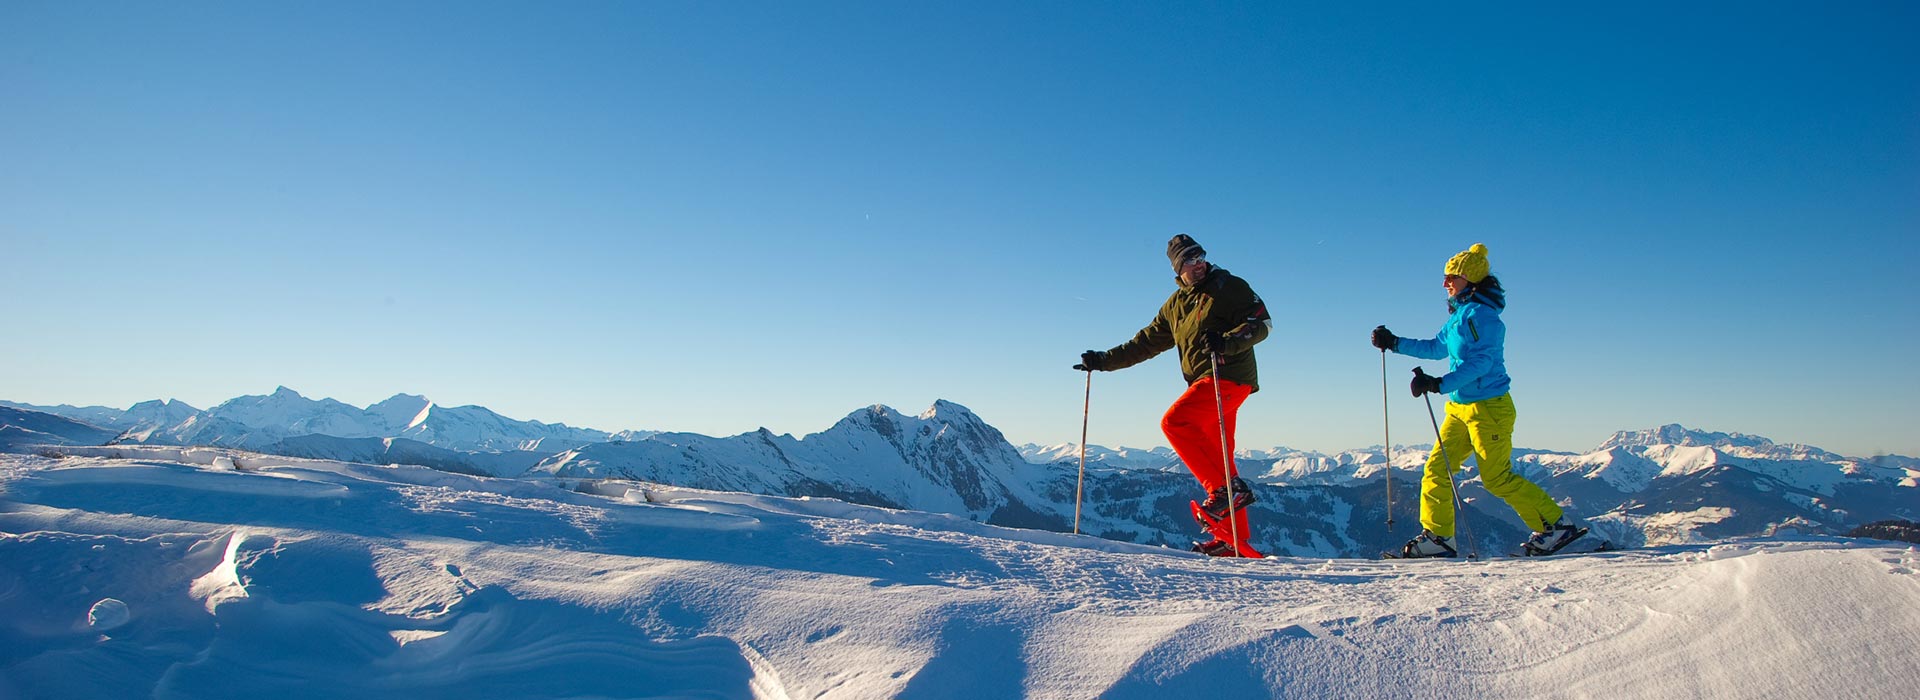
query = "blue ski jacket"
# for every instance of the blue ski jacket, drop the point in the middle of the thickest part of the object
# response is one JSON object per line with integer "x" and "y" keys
{"x": 1473, "y": 342}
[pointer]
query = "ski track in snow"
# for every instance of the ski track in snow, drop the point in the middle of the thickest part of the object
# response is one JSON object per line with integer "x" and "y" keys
{"x": 310, "y": 579}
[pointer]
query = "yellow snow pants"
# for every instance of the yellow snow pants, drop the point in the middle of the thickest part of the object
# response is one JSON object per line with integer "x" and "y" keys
{"x": 1486, "y": 426}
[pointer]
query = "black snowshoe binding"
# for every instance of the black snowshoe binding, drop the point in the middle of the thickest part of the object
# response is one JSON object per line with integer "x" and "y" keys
{"x": 1558, "y": 535}
{"x": 1216, "y": 503}
{"x": 1216, "y": 548}
{"x": 1427, "y": 546}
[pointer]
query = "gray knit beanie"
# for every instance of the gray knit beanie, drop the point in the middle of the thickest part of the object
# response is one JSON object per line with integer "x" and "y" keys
{"x": 1182, "y": 247}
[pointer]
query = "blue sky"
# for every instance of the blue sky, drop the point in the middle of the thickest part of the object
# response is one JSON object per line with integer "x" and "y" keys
{"x": 711, "y": 218}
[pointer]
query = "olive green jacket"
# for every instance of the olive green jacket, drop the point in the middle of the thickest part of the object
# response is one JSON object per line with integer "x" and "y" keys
{"x": 1220, "y": 303}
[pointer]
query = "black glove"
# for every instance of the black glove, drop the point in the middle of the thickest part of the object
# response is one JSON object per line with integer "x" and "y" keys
{"x": 1092, "y": 360}
{"x": 1424, "y": 384}
{"x": 1213, "y": 343}
{"x": 1384, "y": 339}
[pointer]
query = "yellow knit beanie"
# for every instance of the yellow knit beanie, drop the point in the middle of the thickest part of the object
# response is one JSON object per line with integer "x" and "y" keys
{"x": 1470, "y": 263}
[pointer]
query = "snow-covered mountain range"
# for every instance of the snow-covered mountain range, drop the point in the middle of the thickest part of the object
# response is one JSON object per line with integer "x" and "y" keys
{"x": 1120, "y": 458}
{"x": 946, "y": 460}
{"x": 256, "y": 422}
{"x": 1664, "y": 485}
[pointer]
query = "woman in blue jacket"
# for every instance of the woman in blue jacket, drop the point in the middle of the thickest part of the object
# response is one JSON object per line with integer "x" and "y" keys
{"x": 1480, "y": 413}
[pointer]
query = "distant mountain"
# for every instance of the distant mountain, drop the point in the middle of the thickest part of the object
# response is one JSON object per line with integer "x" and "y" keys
{"x": 27, "y": 427}
{"x": 945, "y": 460}
{"x": 404, "y": 451}
{"x": 477, "y": 429}
{"x": 1122, "y": 458}
{"x": 148, "y": 416}
{"x": 256, "y": 422}
{"x": 1731, "y": 443}
{"x": 286, "y": 411}
{"x": 99, "y": 416}
{"x": 133, "y": 424}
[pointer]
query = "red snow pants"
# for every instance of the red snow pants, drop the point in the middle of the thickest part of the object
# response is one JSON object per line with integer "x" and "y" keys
{"x": 1192, "y": 425}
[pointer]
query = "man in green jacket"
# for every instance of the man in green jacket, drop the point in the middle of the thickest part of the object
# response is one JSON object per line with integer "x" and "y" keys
{"x": 1212, "y": 314}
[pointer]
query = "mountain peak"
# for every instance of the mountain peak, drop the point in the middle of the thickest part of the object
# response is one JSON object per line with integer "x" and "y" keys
{"x": 876, "y": 413}
{"x": 945, "y": 411}
{"x": 281, "y": 398}
{"x": 402, "y": 411}
{"x": 406, "y": 403}
{"x": 162, "y": 404}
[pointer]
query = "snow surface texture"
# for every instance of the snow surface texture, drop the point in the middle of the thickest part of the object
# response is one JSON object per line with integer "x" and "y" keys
{"x": 287, "y": 579}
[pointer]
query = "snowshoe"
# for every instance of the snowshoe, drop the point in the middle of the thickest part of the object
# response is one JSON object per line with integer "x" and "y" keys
{"x": 1216, "y": 504}
{"x": 1223, "y": 533}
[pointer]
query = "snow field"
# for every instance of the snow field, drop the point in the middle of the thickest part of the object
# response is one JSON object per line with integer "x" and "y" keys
{"x": 307, "y": 579}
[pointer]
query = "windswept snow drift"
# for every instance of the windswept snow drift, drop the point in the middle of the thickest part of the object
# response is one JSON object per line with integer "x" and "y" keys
{"x": 310, "y": 579}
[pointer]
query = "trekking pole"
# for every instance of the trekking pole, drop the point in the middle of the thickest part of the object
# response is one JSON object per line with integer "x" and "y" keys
{"x": 1387, "y": 434}
{"x": 1226, "y": 456}
{"x": 1081, "y": 483}
{"x": 1459, "y": 509}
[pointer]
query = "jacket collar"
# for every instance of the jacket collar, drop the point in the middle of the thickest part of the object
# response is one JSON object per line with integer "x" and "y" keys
{"x": 1487, "y": 293}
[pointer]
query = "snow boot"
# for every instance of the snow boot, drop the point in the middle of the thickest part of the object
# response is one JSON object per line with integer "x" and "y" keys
{"x": 1216, "y": 503}
{"x": 1428, "y": 545}
{"x": 1557, "y": 535}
